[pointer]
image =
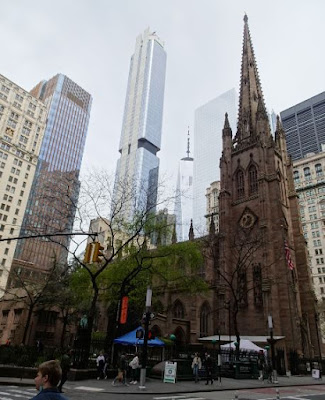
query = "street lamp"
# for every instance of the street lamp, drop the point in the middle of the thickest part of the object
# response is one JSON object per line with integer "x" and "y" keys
{"x": 172, "y": 337}
{"x": 319, "y": 346}
{"x": 145, "y": 339}
{"x": 272, "y": 341}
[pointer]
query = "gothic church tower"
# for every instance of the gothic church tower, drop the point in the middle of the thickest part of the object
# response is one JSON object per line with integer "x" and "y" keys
{"x": 258, "y": 215}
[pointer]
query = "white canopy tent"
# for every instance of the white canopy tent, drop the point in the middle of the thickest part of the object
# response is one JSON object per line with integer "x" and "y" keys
{"x": 244, "y": 345}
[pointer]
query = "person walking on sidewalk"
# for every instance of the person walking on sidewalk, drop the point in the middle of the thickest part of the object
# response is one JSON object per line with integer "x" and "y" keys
{"x": 134, "y": 364}
{"x": 208, "y": 368}
{"x": 100, "y": 361}
{"x": 48, "y": 376}
{"x": 196, "y": 366}
{"x": 65, "y": 366}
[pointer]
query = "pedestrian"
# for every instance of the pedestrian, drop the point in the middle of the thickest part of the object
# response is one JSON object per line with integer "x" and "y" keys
{"x": 208, "y": 368}
{"x": 134, "y": 364}
{"x": 100, "y": 361}
{"x": 121, "y": 373}
{"x": 123, "y": 366}
{"x": 48, "y": 376}
{"x": 65, "y": 366}
{"x": 260, "y": 365}
{"x": 106, "y": 365}
{"x": 196, "y": 366}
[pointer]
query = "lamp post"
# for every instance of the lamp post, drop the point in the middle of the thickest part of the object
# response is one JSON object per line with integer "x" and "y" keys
{"x": 272, "y": 341}
{"x": 172, "y": 337}
{"x": 145, "y": 340}
{"x": 319, "y": 347}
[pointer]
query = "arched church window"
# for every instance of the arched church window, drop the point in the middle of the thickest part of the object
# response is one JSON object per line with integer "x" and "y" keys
{"x": 240, "y": 184}
{"x": 252, "y": 176}
{"x": 204, "y": 319}
{"x": 178, "y": 310}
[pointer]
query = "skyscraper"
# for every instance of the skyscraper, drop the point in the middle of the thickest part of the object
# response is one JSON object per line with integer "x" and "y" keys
{"x": 52, "y": 200}
{"x": 304, "y": 125}
{"x": 138, "y": 166}
{"x": 22, "y": 124}
{"x": 207, "y": 150}
{"x": 184, "y": 195}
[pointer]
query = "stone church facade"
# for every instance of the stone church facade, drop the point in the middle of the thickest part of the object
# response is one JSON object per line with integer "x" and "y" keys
{"x": 261, "y": 268}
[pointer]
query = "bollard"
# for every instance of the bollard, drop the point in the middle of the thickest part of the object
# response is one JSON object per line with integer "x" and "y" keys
{"x": 277, "y": 394}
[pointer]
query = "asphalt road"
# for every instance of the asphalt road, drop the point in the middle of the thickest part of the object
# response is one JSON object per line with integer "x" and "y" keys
{"x": 313, "y": 392}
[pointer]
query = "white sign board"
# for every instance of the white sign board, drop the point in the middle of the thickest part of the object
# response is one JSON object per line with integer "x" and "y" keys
{"x": 170, "y": 372}
{"x": 315, "y": 373}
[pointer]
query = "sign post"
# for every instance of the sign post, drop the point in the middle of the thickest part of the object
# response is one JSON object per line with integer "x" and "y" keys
{"x": 170, "y": 372}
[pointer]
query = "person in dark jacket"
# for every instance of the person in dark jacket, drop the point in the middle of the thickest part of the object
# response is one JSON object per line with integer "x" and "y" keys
{"x": 48, "y": 376}
{"x": 65, "y": 366}
{"x": 208, "y": 368}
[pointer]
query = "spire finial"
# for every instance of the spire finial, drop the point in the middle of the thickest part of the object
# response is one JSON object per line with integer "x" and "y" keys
{"x": 191, "y": 231}
{"x": 226, "y": 125}
{"x": 188, "y": 141}
{"x": 245, "y": 18}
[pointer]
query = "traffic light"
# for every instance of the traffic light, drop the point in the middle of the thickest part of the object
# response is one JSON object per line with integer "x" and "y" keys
{"x": 151, "y": 335}
{"x": 139, "y": 334}
{"x": 97, "y": 253}
{"x": 88, "y": 253}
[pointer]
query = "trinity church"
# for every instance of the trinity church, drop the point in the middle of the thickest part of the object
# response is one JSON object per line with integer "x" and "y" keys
{"x": 257, "y": 265}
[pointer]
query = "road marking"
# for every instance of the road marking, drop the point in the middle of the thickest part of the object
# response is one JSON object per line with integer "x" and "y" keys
{"x": 179, "y": 397}
{"x": 170, "y": 397}
{"x": 89, "y": 389}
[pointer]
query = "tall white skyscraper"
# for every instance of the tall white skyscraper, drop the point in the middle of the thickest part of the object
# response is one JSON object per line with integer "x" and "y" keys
{"x": 138, "y": 165}
{"x": 209, "y": 121}
{"x": 184, "y": 195}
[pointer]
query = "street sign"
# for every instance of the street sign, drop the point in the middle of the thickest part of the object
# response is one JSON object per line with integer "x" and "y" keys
{"x": 170, "y": 372}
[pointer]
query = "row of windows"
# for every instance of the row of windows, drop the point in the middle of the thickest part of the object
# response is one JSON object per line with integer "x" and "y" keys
{"x": 307, "y": 173}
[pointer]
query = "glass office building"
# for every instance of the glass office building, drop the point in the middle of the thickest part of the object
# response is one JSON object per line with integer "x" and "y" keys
{"x": 209, "y": 122}
{"x": 304, "y": 125}
{"x": 55, "y": 189}
{"x": 138, "y": 166}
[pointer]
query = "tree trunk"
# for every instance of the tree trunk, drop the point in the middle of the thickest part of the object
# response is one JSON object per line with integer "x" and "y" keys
{"x": 65, "y": 322}
{"x": 27, "y": 325}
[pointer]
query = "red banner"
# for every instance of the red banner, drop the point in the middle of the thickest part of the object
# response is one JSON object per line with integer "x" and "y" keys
{"x": 124, "y": 309}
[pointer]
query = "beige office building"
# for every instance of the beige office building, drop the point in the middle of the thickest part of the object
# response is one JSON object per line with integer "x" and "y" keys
{"x": 22, "y": 124}
{"x": 309, "y": 180}
{"x": 212, "y": 205}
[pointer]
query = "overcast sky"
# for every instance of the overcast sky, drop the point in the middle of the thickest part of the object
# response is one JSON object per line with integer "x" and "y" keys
{"x": 91, "y": 41}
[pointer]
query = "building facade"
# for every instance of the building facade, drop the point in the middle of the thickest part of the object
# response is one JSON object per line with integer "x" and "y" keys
{"x": 137, "y": 169}
{"x": 54, "y": 193}
{"x": 22, "y": 124}
{"x": 309, "y": 180}
{"x": 207, "y": 150}
{"x": 259, "y": 216}
{"x": 212, "y": 199}
{"x": 184, "y": 195}
{"x": 304, "y": 125}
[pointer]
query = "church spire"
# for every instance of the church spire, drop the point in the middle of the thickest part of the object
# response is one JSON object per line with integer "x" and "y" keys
{"x": 251, "y": 102}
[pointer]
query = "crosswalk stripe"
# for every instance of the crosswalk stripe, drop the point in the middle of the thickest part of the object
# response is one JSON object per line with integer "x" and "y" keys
{"x": 88, "y": 388}
{"x": 179, "y": 397}
{"x": 170, "y": 397}
{"x": 5, "y": 398}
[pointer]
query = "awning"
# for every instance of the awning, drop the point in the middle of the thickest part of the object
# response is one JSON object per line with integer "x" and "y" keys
{"x": 227, "y": 338}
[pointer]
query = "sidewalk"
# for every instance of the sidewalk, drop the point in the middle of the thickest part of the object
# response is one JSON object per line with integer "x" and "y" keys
{"x": 154, "y": 386}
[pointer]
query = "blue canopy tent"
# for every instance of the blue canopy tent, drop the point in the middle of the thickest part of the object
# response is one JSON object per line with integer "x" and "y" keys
{"x": 130, "y": 339}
